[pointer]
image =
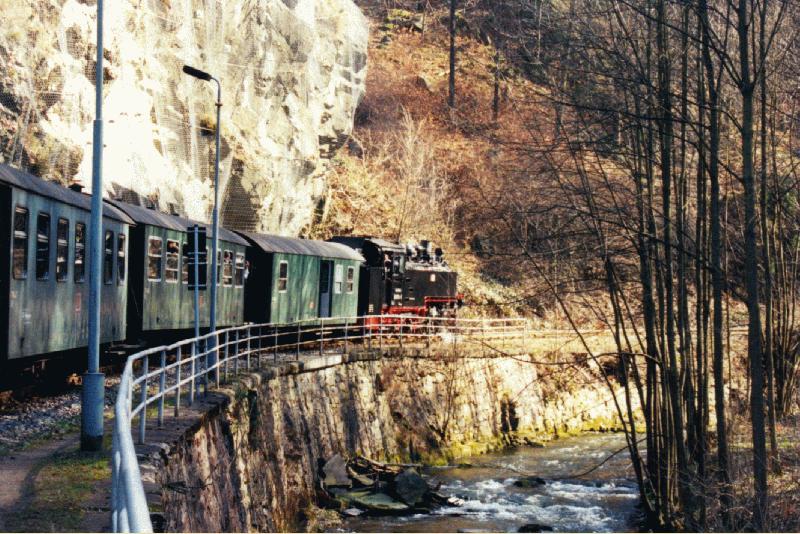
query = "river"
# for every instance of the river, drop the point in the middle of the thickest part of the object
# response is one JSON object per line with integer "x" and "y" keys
{"x": 602, "y": 501}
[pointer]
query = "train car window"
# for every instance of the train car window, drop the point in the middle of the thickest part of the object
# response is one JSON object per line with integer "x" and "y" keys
{"x": 337, "y": 279}
{"x": 185, "y": 264}
{"x": 154, "y": 250}
{"x": 20, "y": 256}
{"x": 324, "y": 277}
{"x": 80, "y": 253}
{"x": 122, "y": 251}
{"x": 173, "y": 261}
{"x": 108, "y": 258}
{"x": 238, "y": 279}
{"x": 43, "y": 246}
{"x": 283, "y": 276}
{"x": 62, "y": 250}
{"x": 227, "y": 269}
{"x": 351, "y": 276}
{"x": 219, "y": 267}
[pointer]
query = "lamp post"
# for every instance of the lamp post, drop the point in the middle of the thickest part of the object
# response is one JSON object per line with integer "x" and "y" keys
{"x": 92, "y": 392}
{"x": 200, "y": 75}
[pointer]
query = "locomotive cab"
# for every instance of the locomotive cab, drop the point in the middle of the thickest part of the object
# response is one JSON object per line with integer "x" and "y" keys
{"x": 405, "y": 280}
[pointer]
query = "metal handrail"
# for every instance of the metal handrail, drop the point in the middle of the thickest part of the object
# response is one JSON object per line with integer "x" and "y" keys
{"x": 165, "y": 372}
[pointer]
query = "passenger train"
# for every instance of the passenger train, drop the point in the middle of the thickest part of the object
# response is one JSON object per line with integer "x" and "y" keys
{"x": 44, "y": 266}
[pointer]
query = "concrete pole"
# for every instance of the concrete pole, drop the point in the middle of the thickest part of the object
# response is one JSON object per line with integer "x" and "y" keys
{"x": 215, "y": 232}
{"x": 92, "y": 394}
{"x": 212, "y": 355}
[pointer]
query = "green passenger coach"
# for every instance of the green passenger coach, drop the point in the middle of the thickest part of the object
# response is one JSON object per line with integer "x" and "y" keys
{"x": 44, "y": 276}
{"x": 300, "y": 280}
{"x": 160, "y": 302}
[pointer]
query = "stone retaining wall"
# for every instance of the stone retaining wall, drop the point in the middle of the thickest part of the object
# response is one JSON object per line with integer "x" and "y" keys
{"x": 251, "y": 463}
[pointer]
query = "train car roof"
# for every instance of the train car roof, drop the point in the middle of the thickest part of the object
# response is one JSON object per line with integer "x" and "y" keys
{"x": 28, "y": 182}
{"x": 304, "y": 247}
{"x": 141, "y": 215}
{"x": 358, "y": 242}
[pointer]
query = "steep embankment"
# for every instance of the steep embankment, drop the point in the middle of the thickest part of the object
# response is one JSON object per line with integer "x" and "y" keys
{"x": 292, "y": 74}
{"x": 252, "y": 464}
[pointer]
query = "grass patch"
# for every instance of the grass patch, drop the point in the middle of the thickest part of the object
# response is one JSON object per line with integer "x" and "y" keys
{"x": 62, "y": 485}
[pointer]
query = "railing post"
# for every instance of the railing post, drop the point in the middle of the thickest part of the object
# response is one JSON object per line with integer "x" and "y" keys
{"x": 380, "y": 334}
{"x": 143, "y": 413}
{"x": 321, "y": 334}
{"x": 400, "y": 336}
{"x": 525, "y": 334}
{"x": 455, "y": 339}
{"x": 429, "y": 334}
{"x": 260, "y": 343}
{"x": 217, "y": 374}
{"x": 162, "y": 382}
{"x": 344, "y": 351}
{"x": 227, "y": 355}
{"x": 297, "y": 351}
{"x": 249, "y": 333}
{"x": 275, "y": 344}
{"x": 115, "y": 481}
{"x": 193, "y": 371}
{"x": 483, "y": 338}
{"x": 178, "y": 381}
{"x": 236, "y": 353}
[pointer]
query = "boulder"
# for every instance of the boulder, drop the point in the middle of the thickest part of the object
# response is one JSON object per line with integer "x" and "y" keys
{"x": 530, "y": 482}
{"x": 335, "y": 473}
{"x": 362, "y": 480}
{"x": 376, "y": 503}
{"x": 411, "y": 487}
{"x": 535, "y": 527}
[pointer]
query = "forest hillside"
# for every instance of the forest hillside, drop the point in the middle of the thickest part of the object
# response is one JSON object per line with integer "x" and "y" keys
{"x": 628, "y": 166}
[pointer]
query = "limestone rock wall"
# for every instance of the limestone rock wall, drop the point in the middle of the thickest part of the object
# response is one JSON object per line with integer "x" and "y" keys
{"x": 292, "y": 74}
{"x": 253, "y": 465}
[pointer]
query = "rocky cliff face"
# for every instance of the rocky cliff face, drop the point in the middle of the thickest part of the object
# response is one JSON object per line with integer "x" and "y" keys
{"x": 292, "y": 73}
{"x": 252, "y": 464}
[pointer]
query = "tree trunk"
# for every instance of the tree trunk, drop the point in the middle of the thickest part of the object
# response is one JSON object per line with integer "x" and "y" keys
{"x": 746, "y": 88}
{"x": 717, "y": 281}
{"x": 451, "y": 97}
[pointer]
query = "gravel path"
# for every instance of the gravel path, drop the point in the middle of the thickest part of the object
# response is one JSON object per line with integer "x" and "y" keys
{"x": 44, "y": 417}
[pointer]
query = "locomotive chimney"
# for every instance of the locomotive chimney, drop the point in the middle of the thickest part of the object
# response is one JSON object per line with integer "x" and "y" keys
{"x": 76, "y": 186}
{"x": 426, "y": 249}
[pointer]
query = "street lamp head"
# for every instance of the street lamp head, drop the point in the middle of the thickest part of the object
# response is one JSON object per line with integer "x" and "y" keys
{"x": 191, "y": 71}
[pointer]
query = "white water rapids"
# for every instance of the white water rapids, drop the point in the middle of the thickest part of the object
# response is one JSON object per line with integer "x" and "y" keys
{"x": 601, "y": 501}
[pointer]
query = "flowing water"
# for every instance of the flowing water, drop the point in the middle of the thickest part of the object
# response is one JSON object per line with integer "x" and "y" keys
{"x": 601, "y": 501}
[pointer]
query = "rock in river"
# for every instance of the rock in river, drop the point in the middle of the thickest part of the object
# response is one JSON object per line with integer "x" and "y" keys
{"x": 371, "y": 501}
{"x": 535, "y": 527}
{"x": 530, "y": 482}
{"x": 411, "y": 487}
